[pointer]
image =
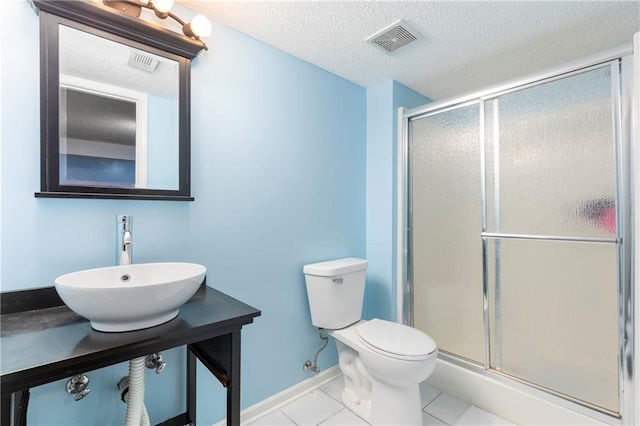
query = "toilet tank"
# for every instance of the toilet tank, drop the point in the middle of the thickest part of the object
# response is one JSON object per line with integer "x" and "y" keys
{"x": 336, "y": 291}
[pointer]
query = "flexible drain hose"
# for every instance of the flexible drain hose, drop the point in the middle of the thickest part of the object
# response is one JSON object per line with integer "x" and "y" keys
{"x": 144, "y": 418}
{"x": 136, "y": 411}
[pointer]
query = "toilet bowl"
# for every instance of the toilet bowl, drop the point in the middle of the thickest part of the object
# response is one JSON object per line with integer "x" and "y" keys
{"x": 383, "y": 387}
{"x": 383, "y": 362}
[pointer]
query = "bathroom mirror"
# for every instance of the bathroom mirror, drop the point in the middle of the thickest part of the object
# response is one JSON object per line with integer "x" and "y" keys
{"x": 114, "y": 105}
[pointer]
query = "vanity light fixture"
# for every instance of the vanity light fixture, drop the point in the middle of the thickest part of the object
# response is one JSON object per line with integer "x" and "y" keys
{"x": 198, "y": 27}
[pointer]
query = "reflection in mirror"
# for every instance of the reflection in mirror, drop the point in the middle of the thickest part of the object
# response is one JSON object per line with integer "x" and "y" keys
{"x": 118, "y": 114}
{"x": 115, "y": 104}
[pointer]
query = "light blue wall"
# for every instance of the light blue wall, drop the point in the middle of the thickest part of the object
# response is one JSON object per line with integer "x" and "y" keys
{"x": 279, "y": 179}
{"x": 383, "y": 102}
{"x": 278, "y": 159}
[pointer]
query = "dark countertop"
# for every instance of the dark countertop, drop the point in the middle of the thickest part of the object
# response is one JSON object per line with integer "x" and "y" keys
{"x": 51, "y": 343}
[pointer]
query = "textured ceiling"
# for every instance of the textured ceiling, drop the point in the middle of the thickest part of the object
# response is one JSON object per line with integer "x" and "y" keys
{"x": 465, "y": 45}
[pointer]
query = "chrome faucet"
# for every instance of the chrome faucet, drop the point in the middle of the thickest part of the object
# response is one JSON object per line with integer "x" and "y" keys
{"x": 124, "y": 241}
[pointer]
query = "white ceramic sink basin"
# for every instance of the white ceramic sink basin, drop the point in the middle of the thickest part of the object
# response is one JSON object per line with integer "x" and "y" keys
{"x": 130, "y": 297}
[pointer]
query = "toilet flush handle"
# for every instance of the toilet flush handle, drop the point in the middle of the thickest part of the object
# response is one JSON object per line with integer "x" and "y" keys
{"x": 338, "y": 280}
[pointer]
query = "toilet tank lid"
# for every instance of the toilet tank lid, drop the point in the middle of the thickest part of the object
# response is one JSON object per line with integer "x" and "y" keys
{"x": 337, "y": 267}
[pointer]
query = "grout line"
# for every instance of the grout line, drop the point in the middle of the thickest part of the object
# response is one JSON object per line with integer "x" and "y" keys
{"x": 287, "y": 396}
{"x": 438, "y": 418}
{"x": 344, "y": 407}
{"x": 331, "y": 396}
{"x": 333, "y": 399}
{"x": 319, "y": 387}
{"x": 433, "y": 415}
{"x": 434, "y": 398}
{"x": 324, "y": 419}
{"x": 285, "y": 414}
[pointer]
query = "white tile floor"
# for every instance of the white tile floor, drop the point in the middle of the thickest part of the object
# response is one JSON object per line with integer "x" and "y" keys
{"x": 323, "y": 407}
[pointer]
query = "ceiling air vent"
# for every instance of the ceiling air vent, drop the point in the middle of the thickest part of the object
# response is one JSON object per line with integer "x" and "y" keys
{"x": 394, "y": 36}
{"x": 142, "y": 61}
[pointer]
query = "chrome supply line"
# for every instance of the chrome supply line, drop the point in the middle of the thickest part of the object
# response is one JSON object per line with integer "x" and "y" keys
{"x": 308, "y": 366}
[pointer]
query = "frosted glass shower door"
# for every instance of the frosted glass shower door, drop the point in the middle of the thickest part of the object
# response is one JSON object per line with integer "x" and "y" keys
{"x": 551, "y": 248}
{"x": 513, "y": 201}
{"x": 446, "y": 221}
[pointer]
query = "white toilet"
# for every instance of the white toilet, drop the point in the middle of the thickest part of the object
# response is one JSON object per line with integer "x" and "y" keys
{"x": 383, "y": 362}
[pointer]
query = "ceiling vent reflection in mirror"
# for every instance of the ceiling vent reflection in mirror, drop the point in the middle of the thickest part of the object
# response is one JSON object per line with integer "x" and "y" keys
{"x": 143, "y": 62}
{"x": 394, "y": 36}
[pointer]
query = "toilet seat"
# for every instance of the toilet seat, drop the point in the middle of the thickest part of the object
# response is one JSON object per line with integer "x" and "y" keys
{"x": 395, "y": 340}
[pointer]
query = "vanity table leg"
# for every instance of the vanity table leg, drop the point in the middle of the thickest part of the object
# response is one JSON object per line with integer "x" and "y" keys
{"x": 233, "y": 390}
{"x": 5, "y": 411}
{"x": 221, "y": 356}
{"x": 191, "y": 387}
{"x": 14, "y": 408}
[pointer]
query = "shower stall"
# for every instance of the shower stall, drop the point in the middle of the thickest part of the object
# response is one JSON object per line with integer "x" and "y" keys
{"x": 517, "y": 205}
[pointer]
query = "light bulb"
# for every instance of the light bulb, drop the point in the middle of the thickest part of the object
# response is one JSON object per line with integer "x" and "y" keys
{"x": 162, "y": 6}
{"x": 198, "y": 27}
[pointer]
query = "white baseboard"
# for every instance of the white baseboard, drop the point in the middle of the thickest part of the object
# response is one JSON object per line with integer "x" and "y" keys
{"x": 279, "y": 400}
{"x": 501, "y": 399}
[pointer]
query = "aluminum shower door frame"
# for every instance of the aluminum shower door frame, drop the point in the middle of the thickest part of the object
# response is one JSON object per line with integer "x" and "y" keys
{"x": 619, "y": 60}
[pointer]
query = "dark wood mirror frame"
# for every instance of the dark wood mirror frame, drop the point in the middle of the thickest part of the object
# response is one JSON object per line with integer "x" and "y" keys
{"x": 117, "y": 26}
